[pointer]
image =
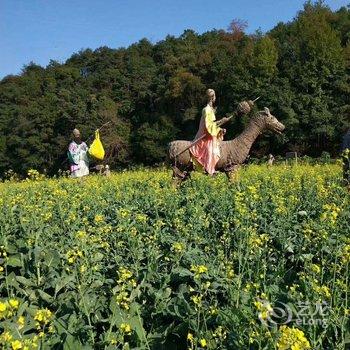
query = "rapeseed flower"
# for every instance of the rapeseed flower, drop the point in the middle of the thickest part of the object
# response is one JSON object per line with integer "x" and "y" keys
{"x": 125, "y": 328}
{"x": 198, "y": 270}
{"x": 42, "y": 317}
{"x": 203, "y": 342}
{"x": 292, "y": 339}
{"x": 16, "y": 345}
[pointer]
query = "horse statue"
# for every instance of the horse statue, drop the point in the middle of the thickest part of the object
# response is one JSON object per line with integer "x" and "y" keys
{"x": 232, "y": 153}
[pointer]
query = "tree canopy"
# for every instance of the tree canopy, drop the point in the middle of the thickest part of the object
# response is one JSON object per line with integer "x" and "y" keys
{"x": 153, "y": 93}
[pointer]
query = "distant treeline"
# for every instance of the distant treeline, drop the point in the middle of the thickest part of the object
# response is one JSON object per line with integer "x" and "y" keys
{"x": 154, "y": 93}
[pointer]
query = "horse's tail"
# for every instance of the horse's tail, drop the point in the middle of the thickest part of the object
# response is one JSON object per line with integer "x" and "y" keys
{"x": 169, "y": 156}
{"x": 173, "y": 150}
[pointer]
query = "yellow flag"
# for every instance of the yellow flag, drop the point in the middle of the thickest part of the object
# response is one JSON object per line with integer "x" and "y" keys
{"x": 96, "y": 149}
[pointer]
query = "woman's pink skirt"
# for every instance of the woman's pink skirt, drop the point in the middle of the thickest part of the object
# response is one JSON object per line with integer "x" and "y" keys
{"x": 207, "y": 153}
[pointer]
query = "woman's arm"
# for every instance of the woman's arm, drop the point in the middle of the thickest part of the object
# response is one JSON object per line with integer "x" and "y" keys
{"x": 74, "y": 153}
{"x": 210, "y": 123}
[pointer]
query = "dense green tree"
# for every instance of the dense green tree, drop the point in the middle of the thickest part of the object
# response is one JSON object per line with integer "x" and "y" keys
{"x": 153, "y": 93}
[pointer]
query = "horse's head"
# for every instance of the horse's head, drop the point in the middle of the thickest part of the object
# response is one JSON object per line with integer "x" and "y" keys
{"x": 270, "y": 122}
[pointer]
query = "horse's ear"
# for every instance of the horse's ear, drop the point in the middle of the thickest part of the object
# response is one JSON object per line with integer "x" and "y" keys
{"x": 267, "y": 111}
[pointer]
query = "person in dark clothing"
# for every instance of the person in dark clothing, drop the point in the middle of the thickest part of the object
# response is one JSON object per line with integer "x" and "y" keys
{"x": 346, "y": 158}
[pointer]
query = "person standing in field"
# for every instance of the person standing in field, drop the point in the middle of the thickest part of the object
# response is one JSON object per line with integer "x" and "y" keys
{"x": 346, "y": 158}
{"x": 77, "y": 155}
{"x": 107, "y": 171}
{"x": 270, "y": 160}
{"x": 206, "y": 151}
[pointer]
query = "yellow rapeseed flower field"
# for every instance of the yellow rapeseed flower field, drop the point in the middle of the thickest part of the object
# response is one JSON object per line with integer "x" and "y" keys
{"x": 129, "y": 261}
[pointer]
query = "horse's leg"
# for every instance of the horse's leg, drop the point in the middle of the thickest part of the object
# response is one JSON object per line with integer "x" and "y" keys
{"x": 176, "y": 182}
{"x": 232, "y": 173}
{"x": 179, "y": 176}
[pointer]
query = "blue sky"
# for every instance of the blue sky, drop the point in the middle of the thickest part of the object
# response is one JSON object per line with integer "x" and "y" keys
{"x": 40, "y": 30}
